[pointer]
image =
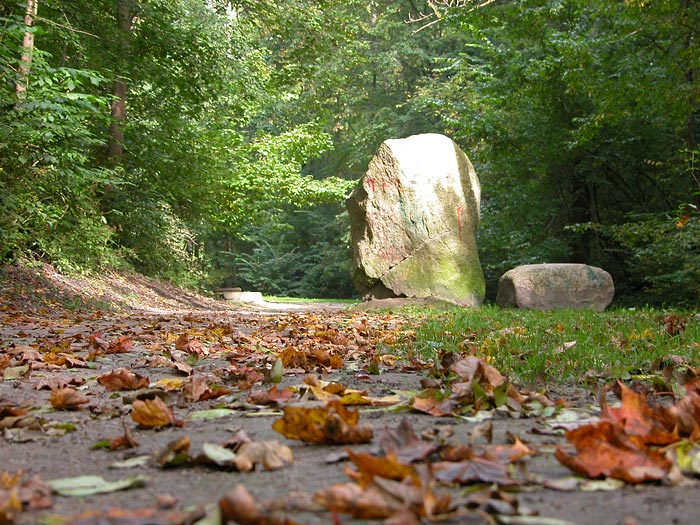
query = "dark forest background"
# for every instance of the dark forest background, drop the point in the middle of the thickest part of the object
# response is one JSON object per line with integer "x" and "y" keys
{"x": 212, "y": 143}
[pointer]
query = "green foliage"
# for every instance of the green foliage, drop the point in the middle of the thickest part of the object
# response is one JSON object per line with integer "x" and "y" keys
{"x": 658, "y": 256}
{"x": 301, "y": 253}
{"x": 50, "y": 203}
{"x": 574, "y": 112}
{"x": 150, "y": 233}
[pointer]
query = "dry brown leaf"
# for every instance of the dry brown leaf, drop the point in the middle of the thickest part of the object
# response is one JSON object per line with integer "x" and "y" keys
{"x": 434, "y": 403}
{"x": 17, "y": 494}
{"x": 191, "y": 346}
{"x": 332, "y": 423}
{"x": 126, "y": 440}
{"x": 5, "y": 361}
{"x": 473, "y": 470}
{"x": 686, "y": 413}
{"x": 604, "y": 449}
{"x": 369, "y": 502}
{"x": 508, "y": 453}
{"x": 389, "y": 467}
{"x": 271, "y": 455}
{"x": 67, "y": 399}
{"x": 197, "y": 388}
{"x": 123, "y": 379}
{"x": 175, "y": 453}
{"x": 10, "y": 505}
{"x": 271, "y": 397}
{"x": 121, "y": 345}
{"x": 404, "y": 442}
{"x": 654, "y": 425}
{"x": 64, "y": 359}
{"x": 239, "y": 506}
{"x": 143, "y": 516}
{"x": 472, "y": 368}
{"x": 153, "y": 413}
{"x": 49, "y": 383}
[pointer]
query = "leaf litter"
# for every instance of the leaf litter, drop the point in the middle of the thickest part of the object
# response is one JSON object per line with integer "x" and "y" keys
{"x": 153, "y": 373}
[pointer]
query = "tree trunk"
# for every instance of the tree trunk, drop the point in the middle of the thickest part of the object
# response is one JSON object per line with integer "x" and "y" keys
{"x": 25, "y": 63}
{"x": 125, "y": 18}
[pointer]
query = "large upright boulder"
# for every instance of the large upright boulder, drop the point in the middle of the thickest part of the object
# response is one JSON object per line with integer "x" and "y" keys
{"x": 556, "y": 285}
{"x": 414, "y": 216}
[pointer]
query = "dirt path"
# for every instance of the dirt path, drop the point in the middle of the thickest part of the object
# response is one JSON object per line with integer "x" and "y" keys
{"x": 236, "y": 349}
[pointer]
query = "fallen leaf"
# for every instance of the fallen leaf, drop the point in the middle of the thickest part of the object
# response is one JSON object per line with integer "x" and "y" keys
{"x": 121, "y": 345}
{"x": 144, "y": 516}
{"x": 474, "y": 470}
{"x": 276, "y": 372}
{"x": 216, "y": 454}
{"x": 508, "y": 453}
{"x": 271, "y": 397}
{"x": 126, "y": 440}
{"x": 604, "y": 449}
{"x": 271, "y": 455}
{"x": 10, "y": 505}
{"x": 123, "y": 379}
{"x": 88, "y": 485}
{"x": 434, "y": 403}
{"x": 169, "y": 384}
{"x": 405, "y": 444}
{"x": 212, "y": 413}
{"x": 369, "y": 502}
{"x": 18, "y": 494}
{"x": 191, "y": 346}
{"x": 153, "y": 413}
{"x": 16, "y": 372}
{"x": 50, "y": 383}
{"x": 472, "y": 368}
{"x": 67, "y": 399}
{"x": 332, "y": 423}
{"x": 654, "y": 425}
{"x": 175, "y": 454}
{"x": 239, "y": 506}
{"x": 198, "y": 388}
{"x": 686, "y": 413}
{"x": 136, "y": 461}
{"x": 389, "y": 467}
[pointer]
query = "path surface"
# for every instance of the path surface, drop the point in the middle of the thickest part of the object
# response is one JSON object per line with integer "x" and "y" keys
{"x": 237, "y": 348}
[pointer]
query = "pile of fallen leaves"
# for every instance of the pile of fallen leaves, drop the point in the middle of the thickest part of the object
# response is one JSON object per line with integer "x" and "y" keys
{"x": 640, "y": 440}
{"x": 157, "y": 371}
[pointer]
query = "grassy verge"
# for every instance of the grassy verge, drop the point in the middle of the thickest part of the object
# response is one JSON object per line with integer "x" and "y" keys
{"x": 567, "y": 346}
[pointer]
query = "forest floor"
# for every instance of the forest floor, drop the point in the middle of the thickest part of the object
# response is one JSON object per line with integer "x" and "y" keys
{"x": 170, "y": 399}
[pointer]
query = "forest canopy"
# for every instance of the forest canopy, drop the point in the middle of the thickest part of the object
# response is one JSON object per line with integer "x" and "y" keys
{"x": 212, "y": 142}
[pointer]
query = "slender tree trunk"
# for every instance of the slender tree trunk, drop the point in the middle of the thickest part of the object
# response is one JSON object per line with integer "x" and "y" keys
{"x": 125, "y": 18}
{"x": 692, "y": 77}
{"x": 25, "y": 63}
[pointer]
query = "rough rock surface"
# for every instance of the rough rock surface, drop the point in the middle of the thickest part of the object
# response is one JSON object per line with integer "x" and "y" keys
{"x": 414, "y": 216}
{"x": 549, "y": 286}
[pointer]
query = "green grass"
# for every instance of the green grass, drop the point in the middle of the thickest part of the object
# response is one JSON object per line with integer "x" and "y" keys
{"x": 563, "y": 346}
